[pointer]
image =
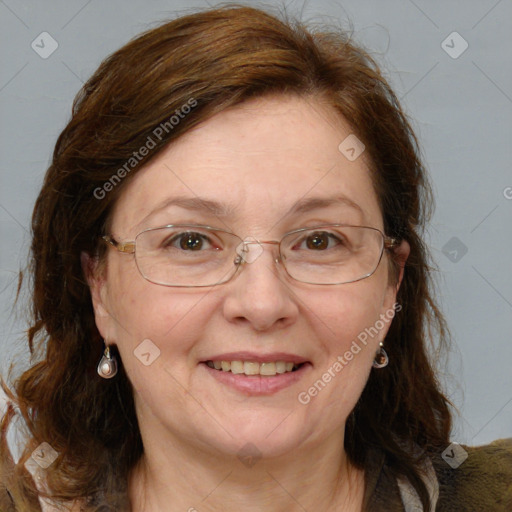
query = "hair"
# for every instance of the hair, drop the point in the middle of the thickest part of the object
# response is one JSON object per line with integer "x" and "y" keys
{"x": 211, "y": 60}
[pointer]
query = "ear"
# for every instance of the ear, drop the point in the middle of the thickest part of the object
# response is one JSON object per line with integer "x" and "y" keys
{"x": 95, "y": 275}
{"x": 401, "y": 253}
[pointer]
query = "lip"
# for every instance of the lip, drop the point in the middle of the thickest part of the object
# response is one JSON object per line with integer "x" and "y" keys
{"x": 257, "y": 385}
{"x": 258, "y": 357}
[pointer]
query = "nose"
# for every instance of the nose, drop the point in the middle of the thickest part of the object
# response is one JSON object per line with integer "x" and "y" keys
{"x": 259, "y": 295}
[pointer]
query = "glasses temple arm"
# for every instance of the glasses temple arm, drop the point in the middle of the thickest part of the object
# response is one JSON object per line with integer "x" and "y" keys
{"x": 127, "y": 247}
{"x": 391, "y": 243}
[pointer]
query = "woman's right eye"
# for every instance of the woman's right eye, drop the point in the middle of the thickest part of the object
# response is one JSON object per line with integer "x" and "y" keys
{"x": 189, "y": 241}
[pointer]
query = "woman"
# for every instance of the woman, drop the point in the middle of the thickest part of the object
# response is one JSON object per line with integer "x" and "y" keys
{"x": 231, "y": 293}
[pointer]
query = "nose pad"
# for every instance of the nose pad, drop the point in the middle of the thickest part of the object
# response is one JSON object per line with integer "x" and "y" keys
{"x": 248, "y": 251}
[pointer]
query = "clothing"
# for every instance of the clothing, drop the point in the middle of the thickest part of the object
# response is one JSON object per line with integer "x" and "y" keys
{"x": 482, "y": 483}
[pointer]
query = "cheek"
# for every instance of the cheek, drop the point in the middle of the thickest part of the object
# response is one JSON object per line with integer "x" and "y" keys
{"x": 343, "y": 314}
{"x": 171, "y": 319}
{"x": 348, "y": 327}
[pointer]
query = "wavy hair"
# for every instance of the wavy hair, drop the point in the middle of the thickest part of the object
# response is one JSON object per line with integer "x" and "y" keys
{"x": 217, "y": 58}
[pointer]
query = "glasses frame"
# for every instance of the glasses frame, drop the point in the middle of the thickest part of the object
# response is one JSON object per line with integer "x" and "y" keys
{"x": 129, "y": 247}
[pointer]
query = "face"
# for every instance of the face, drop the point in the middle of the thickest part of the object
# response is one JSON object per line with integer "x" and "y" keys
{"x": 256, "y": 162}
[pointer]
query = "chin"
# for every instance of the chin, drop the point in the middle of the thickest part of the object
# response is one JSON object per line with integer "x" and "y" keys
{"x": 255, "y": 440}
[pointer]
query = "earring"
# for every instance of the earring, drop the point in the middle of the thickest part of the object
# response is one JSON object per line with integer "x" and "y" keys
{"x": 381, "y": 357}
{"x": 107, "y": 367}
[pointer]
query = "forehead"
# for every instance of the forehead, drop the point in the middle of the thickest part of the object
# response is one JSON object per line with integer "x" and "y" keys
{"x": 255, "y": 161}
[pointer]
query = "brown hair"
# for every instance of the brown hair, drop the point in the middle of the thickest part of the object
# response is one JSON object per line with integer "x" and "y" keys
{"x": 217, "y": 58}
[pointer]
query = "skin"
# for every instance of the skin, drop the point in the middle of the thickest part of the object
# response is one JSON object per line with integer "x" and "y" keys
{"x": 258, "y": 158}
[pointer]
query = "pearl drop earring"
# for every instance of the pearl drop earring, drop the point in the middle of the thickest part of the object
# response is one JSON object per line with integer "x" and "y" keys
{"x": 107, "y": 367}
{"x": 381, "y": 357}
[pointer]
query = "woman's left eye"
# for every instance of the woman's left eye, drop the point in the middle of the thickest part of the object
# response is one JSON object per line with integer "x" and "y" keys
{"x": 321, "y": 241}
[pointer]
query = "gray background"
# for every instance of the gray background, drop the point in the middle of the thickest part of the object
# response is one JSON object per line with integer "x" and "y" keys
{"x": 461, "y": 110}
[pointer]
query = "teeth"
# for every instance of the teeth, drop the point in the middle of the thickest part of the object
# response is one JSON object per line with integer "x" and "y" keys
{"x": 253, "y": 368}
{"x": 237, "y": 367}
{"x": 280, "y": 367}
{"x": 267, "y": 368}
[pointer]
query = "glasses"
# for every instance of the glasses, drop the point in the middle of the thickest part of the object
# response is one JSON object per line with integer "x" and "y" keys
{"x": 190, "y": 255}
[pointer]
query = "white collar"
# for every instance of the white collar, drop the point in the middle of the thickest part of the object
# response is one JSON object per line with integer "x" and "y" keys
{"x": 410, "y": 498}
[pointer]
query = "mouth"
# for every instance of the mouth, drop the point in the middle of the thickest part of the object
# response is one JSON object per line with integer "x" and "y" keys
{"x": 255, "y": 368}
{"x": 244, "y": 373}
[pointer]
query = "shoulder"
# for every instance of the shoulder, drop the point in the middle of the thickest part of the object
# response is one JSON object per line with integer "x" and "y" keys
{"x": 482, "y": 480}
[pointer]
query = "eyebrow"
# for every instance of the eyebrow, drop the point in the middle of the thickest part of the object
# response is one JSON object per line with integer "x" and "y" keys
{"x": 314, "y": 203}
{"x": 224, "y": 210}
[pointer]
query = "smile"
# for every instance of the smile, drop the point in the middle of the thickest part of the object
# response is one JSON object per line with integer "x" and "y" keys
{"x": 268, "y": 369}
{"x": 254, "y": 378}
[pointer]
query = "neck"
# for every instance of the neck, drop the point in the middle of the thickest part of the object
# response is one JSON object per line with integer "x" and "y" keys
{"x": 182, "y": 477}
